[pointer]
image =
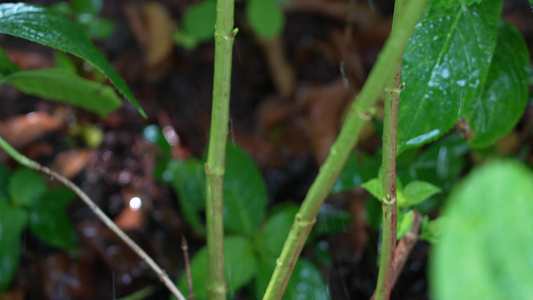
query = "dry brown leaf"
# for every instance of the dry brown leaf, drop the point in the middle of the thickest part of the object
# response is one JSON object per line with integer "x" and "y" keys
{"x": 23, "y": 130}
{"x": 322, "y": 107}
{"x": 153, "y": 27}
{"x": 71, "y": 162}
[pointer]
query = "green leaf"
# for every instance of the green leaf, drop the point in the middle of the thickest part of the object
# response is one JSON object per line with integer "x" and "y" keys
{"x": 96, "y": 28}
{"x": 154, "y": 135}
{"x": 444, "y": 64}
{"x": 431, "y": 231}
{"x": 265, "y": 268}
{"x": 239, "y": 262}
{"x": 405, "y": 221}
{"x": 439, "y": 164}
{"x": 25, "y": 187}
{"x": 358, "y": 169}
{"x": 452, "y": 3}
{"x": 50, "y": 28}
{"x": 503, "y": 98}
{"x": 330, "y": 220}
{"x": 374, "y": 187}
{"x": 485, "y": 248}
{"x": 49, "y": 219}
{"x": 188, "y": 180}
{"x": 275, "y": 231}
{"x": 88, "y": 6}
{"x": 12, "y": 222}
{"x": 61, "y": 85}
{"x": 4, "y": 179}
{"x": 6, "y": 66}
{"x": 245, "y": 196}
{"x": 199, "y": 20}
{"x": 306, "y": 282}
{"x": 265, "y": 17}
{"x": 373, "y": 213}
{"x": 65, "y": 62}
{"x": 417, "y": 191}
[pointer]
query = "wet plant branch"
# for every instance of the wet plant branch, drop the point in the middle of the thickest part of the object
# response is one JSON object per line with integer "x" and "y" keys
{"x": 214, "y": 167}
{"x": 329, "y": 171}
{"x": 406, "y": 244}
{"x": 23, "y": 160}
{"x": 388, "y": 203}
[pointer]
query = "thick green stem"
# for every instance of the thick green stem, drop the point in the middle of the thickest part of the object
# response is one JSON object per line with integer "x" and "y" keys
{"x": 329, "y": 171}
{"x": 214, "y": 167}
{"x": 388, "y": 203}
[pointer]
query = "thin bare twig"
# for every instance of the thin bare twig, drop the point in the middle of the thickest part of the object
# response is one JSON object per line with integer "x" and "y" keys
{"x": 23, "y": 160}
{"x": 406, "y": 244}
{"x": 185, "y": 249}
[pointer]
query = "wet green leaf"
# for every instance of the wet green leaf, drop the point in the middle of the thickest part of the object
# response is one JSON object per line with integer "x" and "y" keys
{"x": 417, "y": 191}
{"x": 245, "y": 196}
{"x": 274, "y": 233}
{"x": 12, "y": 222}
{"x": 265, "y": 17}
{"x": 199, "y": 20}
{"x": 452, "y": 3}
{"x": 51, "y": 28}
{"x": 502, "y": 100}
{"x": 440, "y": 164}
{"x": 61, "y": 85}
{"x": 25, "y": 187}
{"x": 485, "y": 248}
{"x": 49, "y": 219}
{"x": 444, "y": 65}
{"x": 239, "y": 262}
{"x": 358, "y": 169}
{"x": 306, "y": 282}
{"x": 188, "y": 180}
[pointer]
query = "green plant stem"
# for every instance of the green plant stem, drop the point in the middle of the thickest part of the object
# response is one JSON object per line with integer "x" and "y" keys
{"x": 23, "y": 160}
{"x": 388, "y": 203}
{"x": 329, "y": 171}
{"x": 214, "y": 167}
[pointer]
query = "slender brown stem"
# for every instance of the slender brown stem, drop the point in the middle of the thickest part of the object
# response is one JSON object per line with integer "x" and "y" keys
{"x": 23, "y": 160}
{"x": 406, "y": 244}
{"x": 390, "y": 133}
